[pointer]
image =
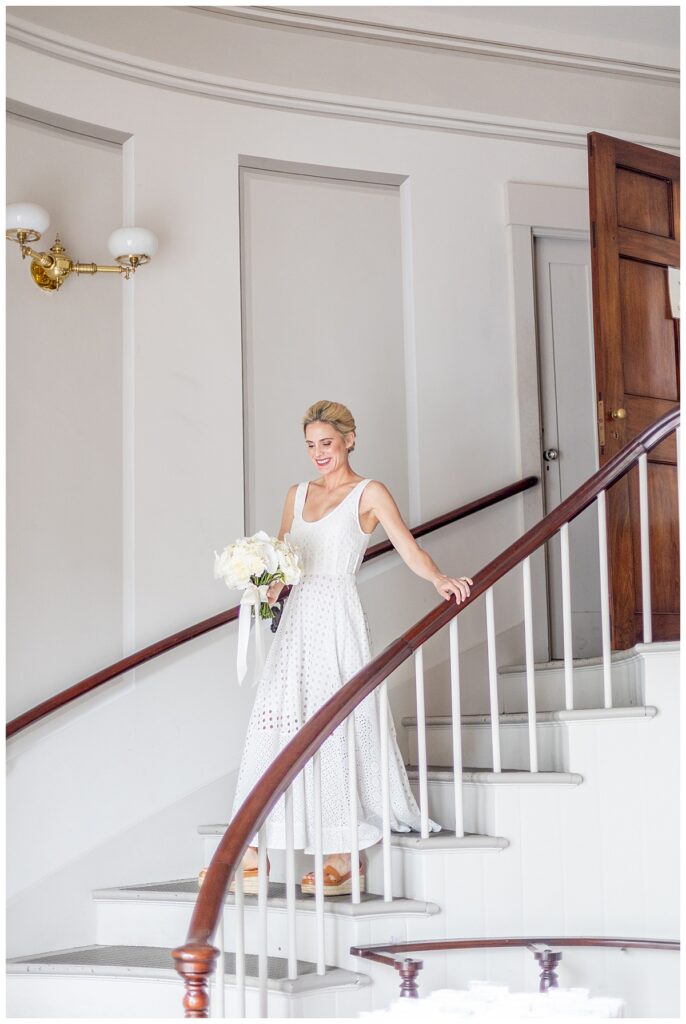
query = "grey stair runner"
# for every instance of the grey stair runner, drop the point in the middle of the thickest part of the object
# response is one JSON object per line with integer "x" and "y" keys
{"x": 156, "y": 961}
{"x": 186, "y": 889}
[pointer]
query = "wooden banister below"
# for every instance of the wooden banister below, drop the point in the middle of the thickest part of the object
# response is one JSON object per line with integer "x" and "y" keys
{"x": 383, "y": 952}
{"x": 175, "y": 640}
{"x": 409, "y": 968}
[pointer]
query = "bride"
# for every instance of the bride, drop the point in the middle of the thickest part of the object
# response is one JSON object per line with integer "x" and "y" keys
{"x": 321, "y": 642}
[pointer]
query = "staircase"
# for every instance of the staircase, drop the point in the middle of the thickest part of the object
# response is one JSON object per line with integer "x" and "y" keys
{"x": 586, "y": 845}
{"x": 559, "y": 801}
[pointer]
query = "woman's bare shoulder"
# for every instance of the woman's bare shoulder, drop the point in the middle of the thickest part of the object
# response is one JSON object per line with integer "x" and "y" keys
{"x": 374, "y": 492}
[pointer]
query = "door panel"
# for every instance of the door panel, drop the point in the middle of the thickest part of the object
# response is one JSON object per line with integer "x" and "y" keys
{"x": 640, "y": 413}
{"x": 634, "y": 200}
{"x": 643, "y": 203}
{"x": 664, "y": 551}
{"x": 648, "y": 369}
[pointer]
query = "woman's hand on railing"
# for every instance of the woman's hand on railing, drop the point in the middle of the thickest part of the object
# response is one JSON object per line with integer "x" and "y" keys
{"x": 447, "y": 585}
{"x": 273, "y": 592}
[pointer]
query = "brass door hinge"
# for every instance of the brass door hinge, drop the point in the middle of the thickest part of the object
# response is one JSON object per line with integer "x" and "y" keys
{"x": 601, "y": 423}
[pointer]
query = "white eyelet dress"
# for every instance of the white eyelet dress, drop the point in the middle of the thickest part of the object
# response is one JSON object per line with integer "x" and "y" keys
{"x": 321, "y": 642}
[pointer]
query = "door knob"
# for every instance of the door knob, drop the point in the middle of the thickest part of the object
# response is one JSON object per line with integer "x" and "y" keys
{"x": 551, "y": 454}
{"x": 618, "y": 414}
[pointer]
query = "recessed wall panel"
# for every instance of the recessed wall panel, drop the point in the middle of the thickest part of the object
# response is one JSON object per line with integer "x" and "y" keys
{"x": 322, "y": 318}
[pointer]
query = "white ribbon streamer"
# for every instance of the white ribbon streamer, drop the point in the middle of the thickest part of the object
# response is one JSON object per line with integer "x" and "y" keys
{"x": 253, "y": 596}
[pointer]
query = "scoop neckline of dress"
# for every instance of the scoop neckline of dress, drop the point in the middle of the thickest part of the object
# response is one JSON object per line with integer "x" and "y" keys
{"x": 312, "y": 522}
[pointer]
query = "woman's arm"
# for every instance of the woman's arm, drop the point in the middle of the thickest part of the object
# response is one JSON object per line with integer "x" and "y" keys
{"x": 286, "y": 523}
{"x": 378, "y": 499}
{"x": 288, "y": 512}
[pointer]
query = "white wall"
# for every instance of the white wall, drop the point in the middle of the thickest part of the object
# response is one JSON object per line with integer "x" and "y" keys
{"x": 64, "y": 423}
{"x": 140, "y": 750}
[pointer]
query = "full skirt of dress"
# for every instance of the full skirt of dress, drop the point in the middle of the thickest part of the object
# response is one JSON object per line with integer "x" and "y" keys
{"x": 322, "y": 641}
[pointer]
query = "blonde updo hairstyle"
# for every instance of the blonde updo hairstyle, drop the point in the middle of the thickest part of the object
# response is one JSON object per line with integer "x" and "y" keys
{"x": 338, "y": 415}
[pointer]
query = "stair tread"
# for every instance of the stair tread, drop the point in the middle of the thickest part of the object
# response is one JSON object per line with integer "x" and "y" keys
{"x": 186, "y": 890}
{"x": 156, "y": 961}
{"x": 508, "y": 776}
{"x": 445, "y": 839}
{"x": 558, "y": 664}
{"x": 521, "y": 717}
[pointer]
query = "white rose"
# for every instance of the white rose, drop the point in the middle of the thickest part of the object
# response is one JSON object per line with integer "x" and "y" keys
{"x": 265, "y": 549}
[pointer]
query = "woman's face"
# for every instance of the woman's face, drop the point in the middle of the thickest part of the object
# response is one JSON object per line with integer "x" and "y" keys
{"x": 327, "y": 447}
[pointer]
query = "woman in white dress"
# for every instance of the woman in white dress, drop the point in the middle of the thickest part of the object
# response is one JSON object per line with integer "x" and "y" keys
{"x": 321, "y": 642}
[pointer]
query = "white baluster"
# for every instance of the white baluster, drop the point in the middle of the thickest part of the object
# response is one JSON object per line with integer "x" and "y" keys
{"x": 318, "y": 863}
{"x": 604, "y": 599}
{"x": 530, "y": 672}
{"x": 645, "y": 548}
{"x": 354, "y": 837}
{"x": 290, "y": 884}
{"x": 385, "y": 794}
{"x": 262, "y": 911}
{"x": 567, "y": 618}
{"x": 217, "y": 1003}
{"x": 493, "y": 679}
{"x": 240, "y": 941}
{"x": 456, "y": 710}
{"x": 421, "y": 743}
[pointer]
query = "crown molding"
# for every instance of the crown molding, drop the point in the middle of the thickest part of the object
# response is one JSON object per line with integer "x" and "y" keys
{"x": 333, "y": 24}
{"x": 197, "y": 83}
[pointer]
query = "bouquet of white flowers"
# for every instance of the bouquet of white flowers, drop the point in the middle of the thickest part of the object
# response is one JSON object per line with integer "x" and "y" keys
{"x": 257, "y": 562}
{"x": 251, "y": 564}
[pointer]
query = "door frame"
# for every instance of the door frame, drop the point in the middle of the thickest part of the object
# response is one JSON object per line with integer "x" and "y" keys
{"x": 536, "y": 211}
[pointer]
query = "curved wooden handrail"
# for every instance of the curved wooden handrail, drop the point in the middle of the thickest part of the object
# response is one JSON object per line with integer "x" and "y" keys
{"x": 169, "y": 643}
{"x": 193, "y": 960}
{"x": 382, "y": 952}
{"x": 408, "y": 967}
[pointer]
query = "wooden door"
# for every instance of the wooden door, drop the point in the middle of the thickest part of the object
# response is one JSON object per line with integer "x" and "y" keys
{"x": 634, "y": 209}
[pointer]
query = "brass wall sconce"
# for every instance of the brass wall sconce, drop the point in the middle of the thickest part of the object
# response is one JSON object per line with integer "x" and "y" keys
{"x": 26, "y": 222}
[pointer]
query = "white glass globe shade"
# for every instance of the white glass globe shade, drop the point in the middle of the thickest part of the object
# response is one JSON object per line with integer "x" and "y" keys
{"x": 132, "y": 242}
{"x": 26, "y": 217}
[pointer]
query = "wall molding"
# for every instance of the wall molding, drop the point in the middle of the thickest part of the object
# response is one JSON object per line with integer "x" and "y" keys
{"x": 334, "y": 24}
{"x": 197, "y": 83}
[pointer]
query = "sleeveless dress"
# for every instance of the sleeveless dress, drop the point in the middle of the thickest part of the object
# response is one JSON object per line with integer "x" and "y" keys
{"x": 322, "y": 641}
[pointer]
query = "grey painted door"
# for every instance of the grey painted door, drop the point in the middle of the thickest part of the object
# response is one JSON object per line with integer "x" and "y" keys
{"x": 569, "y": 450}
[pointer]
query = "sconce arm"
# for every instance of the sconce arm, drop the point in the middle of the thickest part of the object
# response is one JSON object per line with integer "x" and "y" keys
{"x": 94, "y": 268}
{"x": 43, "y": 258}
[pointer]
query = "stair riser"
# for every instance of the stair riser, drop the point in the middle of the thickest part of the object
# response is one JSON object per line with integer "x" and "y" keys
{"x": 587, "y": 687}
{"x": 477, "y": 746}
{"x": 490, "y": 808}
{"x": 277, "y": 860}
{"x": 154, "y": 923}
{"x": 402, "y": 866}
{"x": 97, "y": 997}
{"x": 478, "y": 804}
{"x": 408, "y": 876}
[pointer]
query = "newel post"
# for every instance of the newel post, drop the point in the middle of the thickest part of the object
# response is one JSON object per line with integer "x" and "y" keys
{"x": 408, "y": 970}
{"x": 548, "y": 961}
{"x": 195, "y": 964}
